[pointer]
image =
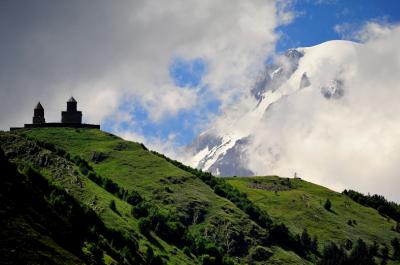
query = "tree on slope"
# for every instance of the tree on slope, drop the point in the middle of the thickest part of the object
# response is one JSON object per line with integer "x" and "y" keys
{"x": 396, "y": 248}
{"x": 361, "y": 255}
{"x": 333, "y": 255}
{"x": 328, "y": 205}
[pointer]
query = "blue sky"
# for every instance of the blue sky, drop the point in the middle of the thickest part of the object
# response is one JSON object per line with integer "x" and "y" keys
{"x": 314, "y": 23}
{"x": 316, "y": 20}
{"x": 186, "y": 74}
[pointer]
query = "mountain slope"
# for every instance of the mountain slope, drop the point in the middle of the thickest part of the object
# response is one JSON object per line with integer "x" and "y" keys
{"x": 300, "y": 204}
{"x": 119, "y": 203}
{"x": 246, "y": 144}
{"x": 29, "y": 224}
{"x": 156, "y": 204}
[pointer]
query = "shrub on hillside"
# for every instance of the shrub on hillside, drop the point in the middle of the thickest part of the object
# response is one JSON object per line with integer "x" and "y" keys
{"x": 333, "y": 254}
{"x": 96, "y": 253}
{"x": 396, "y": 248}
{"x": 374, "y": 248}
{"x": 361, "y": 254}
{"x": 110, "y": 186}
{"x": 348, "y": 244}
{"x": 186, "y": 251}
{"x": 113, "y": 207}
{"x": 83, "y": 169}
{"x": 149, "y": 254}
{"x": 305, "y": 239}
{"x": 207, "y": 260}
{"x": 260, "y": 253}
{"x": 397, "y": 227}
{"x": 280, "y": 234}
{"x": 328, "y": 205}
{"x": 133, "y": 198}
{"x": 144, "y": 225}
{"x": 141, "y": 210}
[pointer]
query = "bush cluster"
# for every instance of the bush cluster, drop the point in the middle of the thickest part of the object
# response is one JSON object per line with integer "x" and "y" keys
{"x": 170, "y": 228}
{"x": 327, "y": 205}
{"x": 164, "y": 223}
{"x": 302, "y": 244}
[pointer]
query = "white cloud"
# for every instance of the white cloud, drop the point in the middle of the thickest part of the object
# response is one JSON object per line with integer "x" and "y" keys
{"x": 362, "y": 32}
{"x": 373, "y": 30}
{"x": 344, "y": 29}
{"x": 104, "y": 53}
{"x": 168, "y": 101}
{"x": 166, "y": 147}
{"x": 351, "y": 142}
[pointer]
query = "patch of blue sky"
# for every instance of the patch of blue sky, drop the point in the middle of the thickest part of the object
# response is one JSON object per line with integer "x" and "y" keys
{"x": 316, "y": 19}
{"x": 186, "y": 124}
{"x": 183, "y": 127}
{"x": 187, "y": 73}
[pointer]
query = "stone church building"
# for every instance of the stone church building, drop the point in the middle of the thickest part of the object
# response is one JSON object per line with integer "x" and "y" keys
{"x": 69, "y": 118}
{"x": 72, "y": 115}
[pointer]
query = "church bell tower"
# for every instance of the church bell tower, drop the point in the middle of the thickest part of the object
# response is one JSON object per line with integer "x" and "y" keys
{"x": 72, "y": 115}
{"x": 38, "y": 114}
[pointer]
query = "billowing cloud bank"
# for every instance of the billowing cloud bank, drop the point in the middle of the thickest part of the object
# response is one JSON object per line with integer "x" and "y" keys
{"x": 108, "y": 54}
{"x": 348, "y": 141}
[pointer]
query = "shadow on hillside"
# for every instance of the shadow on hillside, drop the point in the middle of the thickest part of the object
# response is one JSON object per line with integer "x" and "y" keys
{"x": 154, "y": 241}
{"x": 332, "y": 211}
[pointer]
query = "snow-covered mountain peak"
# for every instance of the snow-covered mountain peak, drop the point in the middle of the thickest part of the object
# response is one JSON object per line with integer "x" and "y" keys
{"x": 310, "y": 69}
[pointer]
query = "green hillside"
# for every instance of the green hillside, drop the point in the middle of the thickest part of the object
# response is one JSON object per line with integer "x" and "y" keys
{"x": 101, "y": 199}
{"x": 300, "y": 204}
{"x": 29, "y": 225}
{"x": 216, "y": 227}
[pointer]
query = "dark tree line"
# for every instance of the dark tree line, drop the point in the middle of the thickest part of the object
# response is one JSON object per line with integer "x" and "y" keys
{"x": 378, "y": 202}
{"x": 360, "y": 254}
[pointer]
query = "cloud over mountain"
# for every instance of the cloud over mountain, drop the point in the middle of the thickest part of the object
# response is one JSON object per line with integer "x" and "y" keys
{"x": 334, "y": 120}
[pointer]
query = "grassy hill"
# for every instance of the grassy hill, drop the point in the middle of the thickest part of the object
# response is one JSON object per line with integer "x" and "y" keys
{"x": 300, "y": 204}
{"x": 29, "y": 225}
{"x": 133, "y": 206}
{"x": 216, "y": 226}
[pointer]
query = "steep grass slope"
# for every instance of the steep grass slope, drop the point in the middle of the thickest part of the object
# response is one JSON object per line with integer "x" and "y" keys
{"x": 215, "y": 225}
{"x": 29, "y": 225}
{"x": 300, "y": 204}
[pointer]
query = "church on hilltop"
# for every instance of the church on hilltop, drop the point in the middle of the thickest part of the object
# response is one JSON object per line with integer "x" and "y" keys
{"x": 69, "y": 118}
{"x": 72, "y": 115}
